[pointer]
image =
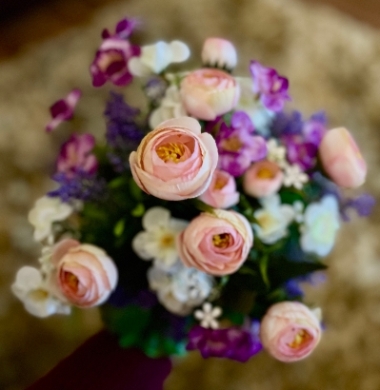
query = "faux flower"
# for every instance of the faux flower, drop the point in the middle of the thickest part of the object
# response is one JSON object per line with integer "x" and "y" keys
{"x": 276, "y": 152}
{"x": 123, "y": 29}
{"x": 155, "y": 58}
{"x": 238, "y": 146}
{"x": 321, "y": 223}
{"x": 341, "y": 158}
{"x": 272, "y": 88}
{"x": 170, "y": 107}
{"x": 273, "y": 219}
{"x": 363, "y": 205}
{"x": 219, "y": 53}
{"x": 63, "y": 109}
{"x": 293, "y": 176}
{"x": 111, "y": 62}
{"x": 31, "y": 288}
{"x": 262, "y": 179}
{"x": 298, "y": 208}
{"x": 85, "y": 275}
{"x": 208, "y": 316}
{"x": 175, "y": 161}
{"x": 290, "y": 331}
{"x": 221, "y": 193}
{"x": 217, "y": 243}
{"x": 75, "y": 155}
{"x": 158, "y": 240}
{"x": 45, "y": 212}
{"x": 207, "y": 93}
{"x": 180, "y": 289}
{"x": 232, "y": 343}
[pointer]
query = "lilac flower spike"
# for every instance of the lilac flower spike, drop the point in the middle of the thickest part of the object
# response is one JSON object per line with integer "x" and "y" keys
{"x": 63, "y": 109}
{"x": 272, "y": 88}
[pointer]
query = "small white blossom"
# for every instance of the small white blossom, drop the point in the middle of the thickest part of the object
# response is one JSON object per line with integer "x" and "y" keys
{"x": 208, "y": 315}
{"x": 45, "y": 212}
{"x": 273, "y": 219}
{"x": 321, "y": 223}
{"x": 31, "y": 288}
{"x": 294, "y": 176}
{"x": 170, "y": 107}
{"x": 155, "y": 58}
{"x": 276, "y": 152}
{"x": 298, "y": 208}
{"x": 158, "y": 241}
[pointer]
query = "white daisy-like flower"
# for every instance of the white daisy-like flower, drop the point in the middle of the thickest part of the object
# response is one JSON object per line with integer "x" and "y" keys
{"x": 294, "y": 176}
{"x": 298, "y": 208}
{"x": 321, "y": 223}
{"x": 276, "y": 152}
{"x": 31, "y": 288}
{"x": 273, "y": 219}
{"x": 45, "y": 212}
{"x": 158, "y": 241}
{"x": 208, "y": 315}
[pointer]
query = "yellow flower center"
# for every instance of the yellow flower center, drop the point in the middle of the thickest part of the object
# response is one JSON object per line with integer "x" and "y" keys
{"x": 71, "y": 280}
{"x": 265, "y": 173}
{"x": 300, "y": 338}
{"x": 221, "y": 240}
{"x": 171, "y": 152}
{"x": 167, "y": 241}
{"x": 39, "y": 294}
{"x": 232, "y": 144}
{"x": 220, "y": 183}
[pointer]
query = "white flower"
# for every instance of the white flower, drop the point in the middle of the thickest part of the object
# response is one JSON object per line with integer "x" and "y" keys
{"x": 155, "y": 58}
{"x": 298, "y": 208}
{"x": 181, "y": 289}
{"x": 276, "y": 152}
{"x": 158, "y": 241}
{"x": 31, "y": 288}
{"x": 294, "y": 176}
{"x": 273, "y": 219}
{"x": 170, "y": 107}
{"x": 46, "y": 211}
{"x": 208, "y": 315}
{"x": 321, "y": 223}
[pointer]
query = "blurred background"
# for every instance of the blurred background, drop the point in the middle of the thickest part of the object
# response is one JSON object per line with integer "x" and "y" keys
{"x": 329, "y": 49}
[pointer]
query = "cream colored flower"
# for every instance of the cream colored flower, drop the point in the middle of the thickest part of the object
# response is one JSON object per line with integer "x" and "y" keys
{"x": 208, "y": 316}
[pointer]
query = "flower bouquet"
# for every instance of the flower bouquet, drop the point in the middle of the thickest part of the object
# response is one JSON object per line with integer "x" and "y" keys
{"x": 194, "y": 224}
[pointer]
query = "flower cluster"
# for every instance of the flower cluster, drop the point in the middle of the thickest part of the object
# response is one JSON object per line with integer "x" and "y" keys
{"x": 193, "y": 224}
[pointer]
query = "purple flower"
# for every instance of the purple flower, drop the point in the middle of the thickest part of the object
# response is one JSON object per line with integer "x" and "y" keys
{"x": 272, "y": 87}
{"x": 287, "y": 124}
{"x": 232, "y": 343}
{"x": 315, "y": 128}
{"x": 63, "y": 109}
{"x": 237, "y": 145}
{"x": 123, "y": 30}
{"x": 75, "y": 155}
{"x": 300, "y": 152}
{"x": 363, "y": 205}
{"x": 111, "y": 62}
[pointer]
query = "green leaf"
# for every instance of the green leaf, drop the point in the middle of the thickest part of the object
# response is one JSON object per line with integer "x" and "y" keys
{"x": 118, "y": 182}
{"x": 119, "y": 228}
{"x": 135, "y": 190}
{"x": 263, "y": 266}
{"x": 138, "y": 211}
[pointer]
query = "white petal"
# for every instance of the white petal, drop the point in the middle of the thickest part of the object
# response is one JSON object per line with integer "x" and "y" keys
{"x": 139, "y": 243}
{"x": 180, "y": 51}
{"x": 138, "y": 68}
{"x": 207, "y": 307}
{"x": 214, "y": 324}
{"x": 156, "y": 57}
{"x": 27, "y": 278}
{"x": 216, "y": 312}
{"x": 156, "y": 217}
{"x": 199, "y": 315}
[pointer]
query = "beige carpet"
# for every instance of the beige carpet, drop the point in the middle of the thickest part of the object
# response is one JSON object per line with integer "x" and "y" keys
{"x": 332, "y": 62}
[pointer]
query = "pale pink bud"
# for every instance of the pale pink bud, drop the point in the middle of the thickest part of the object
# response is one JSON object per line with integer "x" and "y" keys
{"x": 219, "y": 52}
{"x": 341, "y": 158}
{"x": 262, "y": 179}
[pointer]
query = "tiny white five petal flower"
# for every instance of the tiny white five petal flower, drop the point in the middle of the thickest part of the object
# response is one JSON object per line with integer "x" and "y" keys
{"x": 276, "y": 152}
{"x": 208, "y": 315}
{"x": 294, "y": 176}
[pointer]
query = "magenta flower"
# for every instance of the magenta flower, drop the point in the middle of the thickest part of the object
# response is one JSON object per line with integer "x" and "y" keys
{"x": 75, "y": 156}
{"x": 237, "y": 146}
{"x": 123, "y": 29}
{"x": 111, "y": 62}
{"x": 232, "y": 343}
{"x": 63, "y": 109}
{"x": 272, "y": 88}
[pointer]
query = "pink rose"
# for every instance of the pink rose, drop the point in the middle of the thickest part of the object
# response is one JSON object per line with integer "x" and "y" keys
{"x": 219, "y": 53}
{"x": 263, "y": 178}
{"x": 207, "y": 93}
{"x": 341, "y": 158}
{"x": 290, "y": 331}
{"x": 85, "y": 274}
{"x": 217, "y": 244}
{"x": 175, "y": 161}
{"x": 222, "y": 192}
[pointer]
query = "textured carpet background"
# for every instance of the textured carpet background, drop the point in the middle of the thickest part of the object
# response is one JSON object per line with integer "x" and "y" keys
{"x": 332, "y": 62}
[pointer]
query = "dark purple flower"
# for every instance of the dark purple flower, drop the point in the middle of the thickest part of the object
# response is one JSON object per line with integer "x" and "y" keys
{"x": 237, "y": 145}
{"x": 363, "y": 205}
{"x": 287, "y": 124}
{"x": 300, "y": 152}
{"x": 63, "y": 109}
{"x": 315, "y": 128}
{"x": 155, "y": 89}
{"x": 111, "y": 62}
{"x": 75, "y": 155}
{"x": 272, "y": 88}
{"x": 233, "y": 343}
{"x": 123, "y": 30}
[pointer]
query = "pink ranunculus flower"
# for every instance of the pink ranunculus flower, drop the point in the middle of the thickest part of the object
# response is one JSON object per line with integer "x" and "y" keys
{"x": 207, "y": 93}
{"x": 217, "y": 243}
{"x": 175, "y": 161}
{"x": 262, "y": 179}
{"x": 222, "y": 192}
{"x": 219, "y": 52}
{"x": 341, "y": 158}
{"x": 85, "y": 275}
{"x": 290, "y": 331}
